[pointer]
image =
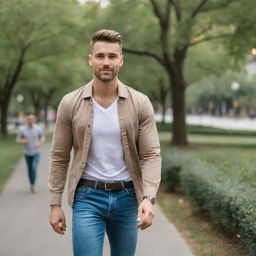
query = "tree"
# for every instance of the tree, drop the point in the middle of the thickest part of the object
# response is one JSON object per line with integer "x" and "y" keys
{"x": 45, "y": 84}
{"x": 187, "y": 31}
{"x": 30, "y": 31}
{"x": 182, "y": 25}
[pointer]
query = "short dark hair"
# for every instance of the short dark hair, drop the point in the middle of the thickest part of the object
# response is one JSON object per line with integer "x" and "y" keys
{"x": 106, "y": 35}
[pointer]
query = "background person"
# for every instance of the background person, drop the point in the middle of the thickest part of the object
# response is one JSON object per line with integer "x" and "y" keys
{"x": 31, "y": 136}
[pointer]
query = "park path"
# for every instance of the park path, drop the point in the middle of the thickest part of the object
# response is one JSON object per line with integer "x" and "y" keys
{"x": 25, "y": 230}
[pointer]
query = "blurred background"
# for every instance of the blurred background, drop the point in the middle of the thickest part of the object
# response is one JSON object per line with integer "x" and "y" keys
{"x": 195, "y": 60}
{"x": 190, "y": 59}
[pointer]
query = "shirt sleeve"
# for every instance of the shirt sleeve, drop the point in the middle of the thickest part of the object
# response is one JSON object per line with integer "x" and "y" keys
{"x": 41, "y": 134}
{"x": 20, "y": 135}
{"x": 149, "y": 150}
{"x": 60, "y": 153}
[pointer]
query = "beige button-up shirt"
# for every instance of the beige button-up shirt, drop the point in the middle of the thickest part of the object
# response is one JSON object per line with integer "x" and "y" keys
{"x": 73, "y": 129}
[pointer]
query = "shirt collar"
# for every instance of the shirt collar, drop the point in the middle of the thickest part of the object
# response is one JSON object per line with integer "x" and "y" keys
{"x": 122, "y": 90}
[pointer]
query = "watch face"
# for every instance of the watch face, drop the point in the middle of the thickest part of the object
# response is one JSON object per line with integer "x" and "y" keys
{"x": 150, "y": 198}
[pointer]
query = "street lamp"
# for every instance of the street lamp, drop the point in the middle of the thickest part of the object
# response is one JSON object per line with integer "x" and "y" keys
{"x": 20, "y": 98}
{"x": 235, "y": 87}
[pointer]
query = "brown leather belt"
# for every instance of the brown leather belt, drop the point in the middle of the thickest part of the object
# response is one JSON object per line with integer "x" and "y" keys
{"x": 105, "y": 185}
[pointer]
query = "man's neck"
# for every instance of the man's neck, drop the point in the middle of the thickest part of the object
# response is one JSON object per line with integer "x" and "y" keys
{"x": 105, "y": 89}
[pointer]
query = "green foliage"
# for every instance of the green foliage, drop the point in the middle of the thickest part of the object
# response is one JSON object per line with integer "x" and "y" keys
{"x": 228, "y": 201}
{"x": 235, "y": 163}
{"x": 10, "y": 153}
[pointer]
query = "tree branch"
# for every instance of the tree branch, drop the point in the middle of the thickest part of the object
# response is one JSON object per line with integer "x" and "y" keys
{"x": 167, "y": 14}
{"x": 35, "y": 41}
{"x": 47, "y": 55}
{"x": 208, "y": 38}
{"x": 145, "y": 53}
{"x": 176, "y": 8}
{"x": 203, "y": 30}
{"x": 164, "y": 18}
{"x": 156, "y": 10}
{"x": 198, "y": 8}
{"x": 226, "y": 3}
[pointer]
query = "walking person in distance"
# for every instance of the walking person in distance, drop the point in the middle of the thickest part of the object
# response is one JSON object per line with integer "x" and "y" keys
{"x": 31, "y": 136}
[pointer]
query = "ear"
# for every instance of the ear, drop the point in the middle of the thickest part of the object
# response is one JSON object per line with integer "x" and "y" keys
{"x": 90, "y": 59}
{"x": 122, "y": 60}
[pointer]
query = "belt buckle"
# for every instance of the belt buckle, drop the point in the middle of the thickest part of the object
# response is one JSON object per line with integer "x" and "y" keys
{"x": 105, "y": 187}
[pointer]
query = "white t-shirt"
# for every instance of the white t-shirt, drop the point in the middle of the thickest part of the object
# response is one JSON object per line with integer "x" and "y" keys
{"x": 105, "y": 161}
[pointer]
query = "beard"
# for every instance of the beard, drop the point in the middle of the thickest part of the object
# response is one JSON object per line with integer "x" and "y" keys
{"x": 107, "y": 76}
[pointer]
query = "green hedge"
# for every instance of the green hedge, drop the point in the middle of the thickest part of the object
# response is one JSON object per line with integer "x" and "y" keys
{"x": 231, "y": 203}
{"x": 199, "y": 129}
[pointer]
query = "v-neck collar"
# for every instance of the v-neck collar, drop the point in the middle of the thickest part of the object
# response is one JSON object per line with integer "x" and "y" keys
{"x": 102, "y": 108}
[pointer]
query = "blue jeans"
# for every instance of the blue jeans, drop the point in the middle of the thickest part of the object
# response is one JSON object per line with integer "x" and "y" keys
{"x": 32, "y": 163}
{"x": 96, "y": 211}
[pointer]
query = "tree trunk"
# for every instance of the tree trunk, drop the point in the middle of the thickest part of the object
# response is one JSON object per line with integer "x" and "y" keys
{"x": 163, "y": 113}
{"x": 178, "y": 88}
{"x": 6, "y": 92}
{"x": 4, "y": 115}
{"x": 179, "y": 129}
{"x": 163, "y": 95}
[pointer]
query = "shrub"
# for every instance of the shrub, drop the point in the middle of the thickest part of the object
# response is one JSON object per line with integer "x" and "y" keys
{"x": 230, "y": 202}
{"x": 172, "y": 162}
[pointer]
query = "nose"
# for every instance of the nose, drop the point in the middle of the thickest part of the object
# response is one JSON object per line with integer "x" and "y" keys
{"x": 106, "y": 61}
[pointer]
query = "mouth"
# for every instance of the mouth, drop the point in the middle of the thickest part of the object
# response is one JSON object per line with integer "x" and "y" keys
{"x": 106, "y": 70}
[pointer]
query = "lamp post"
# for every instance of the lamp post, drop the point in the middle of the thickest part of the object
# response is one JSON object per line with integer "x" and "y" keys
{"x": 235, "y": 87}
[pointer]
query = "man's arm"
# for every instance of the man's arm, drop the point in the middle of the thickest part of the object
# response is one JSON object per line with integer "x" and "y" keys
{"x": 21, "y": 138}
{"x": 41, "y": 139}
{"x": 149, "y": 154}
{"x": 60, "y": 157}
{"x": 60, "y": 153}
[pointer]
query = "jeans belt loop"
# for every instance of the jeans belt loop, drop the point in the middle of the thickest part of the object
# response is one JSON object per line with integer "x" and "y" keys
{"x": 122, "y": 184}
{"x": 96, "y": 184}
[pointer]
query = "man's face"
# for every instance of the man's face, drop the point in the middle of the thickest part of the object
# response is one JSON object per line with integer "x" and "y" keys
{"x": 31, "y": 120}
{"x": 106, "y": 60}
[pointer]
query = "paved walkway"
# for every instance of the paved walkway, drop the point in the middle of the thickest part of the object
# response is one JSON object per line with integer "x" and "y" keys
{"x": 218, "y": 122}
{"x": 25, "y": 230}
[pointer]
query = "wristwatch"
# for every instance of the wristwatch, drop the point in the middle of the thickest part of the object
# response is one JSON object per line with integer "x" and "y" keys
{"x": 150, "y": 198}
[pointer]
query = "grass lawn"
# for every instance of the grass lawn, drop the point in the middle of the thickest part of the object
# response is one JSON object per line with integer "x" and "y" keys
{"x": 233, "y": 155}
{"x": 215, "y": 140}
{"x": 10, "y": 153}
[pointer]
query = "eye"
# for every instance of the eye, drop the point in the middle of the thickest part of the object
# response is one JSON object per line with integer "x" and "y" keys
{"x": 99, "y": 56}
{"x": 112, "y": 56}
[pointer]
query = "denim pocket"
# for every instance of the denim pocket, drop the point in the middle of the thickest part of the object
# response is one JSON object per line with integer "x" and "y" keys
{"x": 83, "y": 190}
{"x": 130, "y": 192}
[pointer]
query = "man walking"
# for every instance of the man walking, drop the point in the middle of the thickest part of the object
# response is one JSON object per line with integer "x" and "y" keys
{"x": 31, "y": 136}
{"x": 115, "y": 172}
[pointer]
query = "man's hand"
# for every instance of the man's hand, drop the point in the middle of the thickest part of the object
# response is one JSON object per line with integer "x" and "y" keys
{"x": 39, "y": 143}
{"x": 57, "y": 219}
{"x": 145, "y": 214}
{"x": 23, "y": 141}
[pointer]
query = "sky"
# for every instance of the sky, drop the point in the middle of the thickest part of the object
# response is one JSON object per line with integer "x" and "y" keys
{"x": 104, "y": 3}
